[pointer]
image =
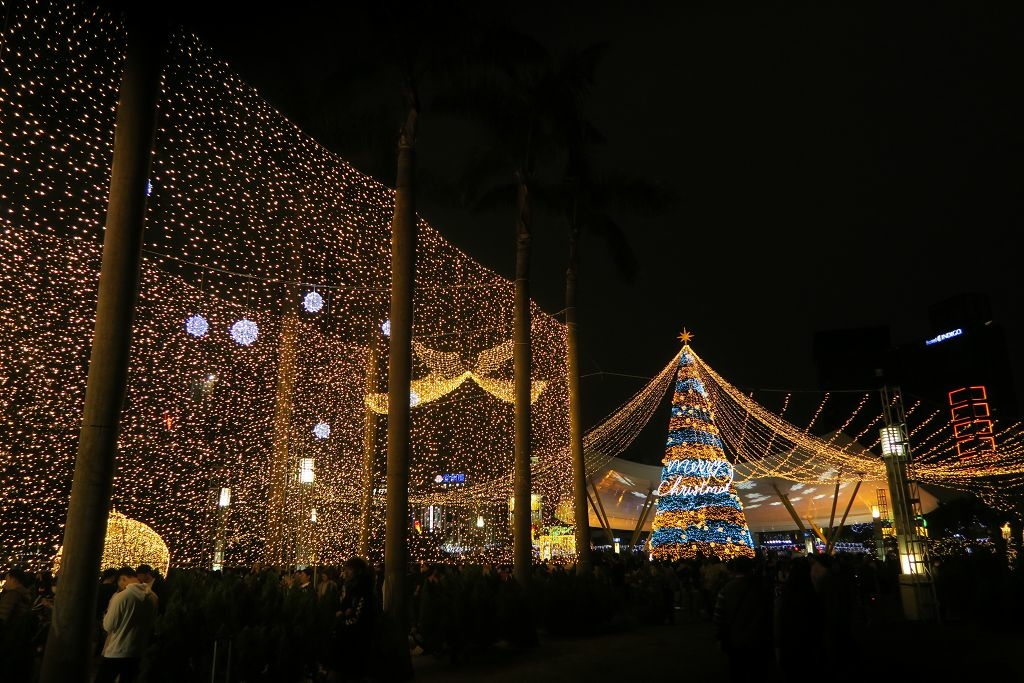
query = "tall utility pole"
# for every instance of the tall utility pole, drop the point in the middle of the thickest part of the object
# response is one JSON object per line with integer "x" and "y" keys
{"x": 916, "y": 587}
{"x": 67, "y": 657}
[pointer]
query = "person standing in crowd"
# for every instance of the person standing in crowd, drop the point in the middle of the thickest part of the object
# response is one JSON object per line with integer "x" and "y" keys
{"x": 18, "y": 626}
{"x": 303, "y": 579}
{"x": 129, "y": 622}
{"x": 354, "y": 623}
{"x": 798, "y": 621}
{"x": 16, "y": 598}
{"x": 743, "y": 623}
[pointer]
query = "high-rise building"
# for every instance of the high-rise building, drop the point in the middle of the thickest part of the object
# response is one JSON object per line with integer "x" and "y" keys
{"x": 962, "y": 367}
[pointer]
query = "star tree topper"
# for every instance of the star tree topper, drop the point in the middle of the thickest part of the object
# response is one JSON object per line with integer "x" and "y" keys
{"x": 685, "y": 336}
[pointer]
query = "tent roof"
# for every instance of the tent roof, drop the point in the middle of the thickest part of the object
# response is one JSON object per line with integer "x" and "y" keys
{"x": 623, "y": 487}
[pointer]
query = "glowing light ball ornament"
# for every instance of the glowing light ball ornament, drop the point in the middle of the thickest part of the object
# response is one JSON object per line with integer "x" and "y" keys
{"x": 313, "y": 302}
{"x": 322, "y": 430}
{"x": 414, "y": 399}
{"x": 197, "y": 326}
{"x": 129, "y": 543}
{"x": 244, "y": 332}
{"x": 385, "y": 327}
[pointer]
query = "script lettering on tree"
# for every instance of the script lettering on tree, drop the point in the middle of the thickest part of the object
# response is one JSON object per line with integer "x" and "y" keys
{"x": 695, "y": 476}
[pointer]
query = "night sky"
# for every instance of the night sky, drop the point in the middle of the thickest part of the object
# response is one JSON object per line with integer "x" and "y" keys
{"x": 835, "y": 165}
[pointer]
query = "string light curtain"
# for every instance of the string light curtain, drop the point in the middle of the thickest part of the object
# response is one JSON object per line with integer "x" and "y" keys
{"x": 237, "y": 372}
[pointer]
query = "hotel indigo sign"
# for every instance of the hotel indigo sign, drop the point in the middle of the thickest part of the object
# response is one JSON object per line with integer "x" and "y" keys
{"x": 944, "y": 336}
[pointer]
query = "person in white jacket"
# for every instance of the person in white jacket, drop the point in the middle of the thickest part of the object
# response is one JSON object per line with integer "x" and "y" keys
{"x": 128, "y": 621}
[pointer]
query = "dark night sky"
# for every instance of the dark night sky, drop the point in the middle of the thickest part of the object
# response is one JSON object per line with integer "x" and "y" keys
{"x": 837, "y": 165}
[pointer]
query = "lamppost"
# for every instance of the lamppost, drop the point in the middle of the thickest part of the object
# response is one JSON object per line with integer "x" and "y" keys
{"x": 218, "y": 541}
{"x": 916, "y": 589}
{"x": 307, "y": 476}
{"x": 876, "y": 524}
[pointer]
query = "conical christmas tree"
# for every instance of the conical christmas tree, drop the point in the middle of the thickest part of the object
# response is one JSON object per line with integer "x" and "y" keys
{"x": 699, "y": 512}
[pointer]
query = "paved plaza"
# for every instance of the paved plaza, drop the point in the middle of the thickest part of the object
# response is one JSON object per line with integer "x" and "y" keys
{"x": 687, "y": 651}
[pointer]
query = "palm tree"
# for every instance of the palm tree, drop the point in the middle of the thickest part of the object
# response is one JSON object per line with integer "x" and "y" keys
{"x": 399, "y": 59}
{"x": 535, "y": 103}
{"x": 544, "y": 98}
{"x": 67, "y": 655}
{"x": 587, "y": 204}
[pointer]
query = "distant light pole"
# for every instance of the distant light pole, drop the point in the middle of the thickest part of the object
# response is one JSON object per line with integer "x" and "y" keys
{"x": 876, "y": 523}
{"x": 916, "y": 587}
{"x": 223, "y": 502}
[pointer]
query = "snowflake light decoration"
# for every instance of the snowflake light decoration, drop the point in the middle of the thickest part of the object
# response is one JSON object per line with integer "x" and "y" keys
{"x": 197, "y": 326}
{"x": 313, "y": 302}
{"x": 322, "y": 430}
{"x": 244, "y": 332}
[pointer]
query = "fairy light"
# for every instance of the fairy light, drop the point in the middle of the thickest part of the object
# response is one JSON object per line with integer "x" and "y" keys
{"x": 129, "y": 543}
{"x": 699, "y": 512}
{"x": 245, "y": 216}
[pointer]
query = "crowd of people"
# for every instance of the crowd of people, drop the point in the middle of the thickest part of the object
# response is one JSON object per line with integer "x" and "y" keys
{"x": 327, "y": 624}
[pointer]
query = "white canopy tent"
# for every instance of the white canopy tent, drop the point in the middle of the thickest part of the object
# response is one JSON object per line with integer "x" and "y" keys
{"x": 624, "y": 486}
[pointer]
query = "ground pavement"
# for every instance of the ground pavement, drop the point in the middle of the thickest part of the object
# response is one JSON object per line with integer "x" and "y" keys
{"x": 687, "y": 651}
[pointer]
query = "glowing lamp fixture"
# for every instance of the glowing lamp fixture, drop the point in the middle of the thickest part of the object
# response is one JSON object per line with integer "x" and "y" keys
{"x": 225, "y": 496}
{"x": 875, "y": 512}
{"x": 893, "y": 442}
{"x": 480, "y": 521}
{"x": 312, "y": 515}
{"x": 306, "y": 475}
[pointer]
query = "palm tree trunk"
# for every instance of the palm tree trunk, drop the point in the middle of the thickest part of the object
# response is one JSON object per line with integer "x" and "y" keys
{"x": 67, "y": 657}
{"x": 579, "y": 463}
{"x": 522, "y": 543}
{"x": 403, "y": 269}
{"x": 369, "y": 449}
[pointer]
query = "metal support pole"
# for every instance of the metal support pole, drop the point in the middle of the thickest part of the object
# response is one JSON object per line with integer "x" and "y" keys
{"x": 917, "y": 590}
{"x": 600, "y": 516}
{"x": 835, "y": 534}
{"x": 644, "y": 513}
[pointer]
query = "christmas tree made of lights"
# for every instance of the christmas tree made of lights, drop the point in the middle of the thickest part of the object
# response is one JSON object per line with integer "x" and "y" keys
{"x": 699, "y": 512}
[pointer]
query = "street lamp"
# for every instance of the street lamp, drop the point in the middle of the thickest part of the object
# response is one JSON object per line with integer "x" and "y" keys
{"x": 306, "y": 475}
{"x": 876, "y": 523}
{"x": 916, "y": 588}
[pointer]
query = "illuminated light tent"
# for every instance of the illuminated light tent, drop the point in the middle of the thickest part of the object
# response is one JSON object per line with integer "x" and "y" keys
{"x": 129, "y": 543}
{"x": 238, "y": 375}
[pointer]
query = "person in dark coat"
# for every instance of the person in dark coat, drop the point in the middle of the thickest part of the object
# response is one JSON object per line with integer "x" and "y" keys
{"x": 354, "y": 623}
{"x": 743, "y": 623}
{"x": 798, "y": 617}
